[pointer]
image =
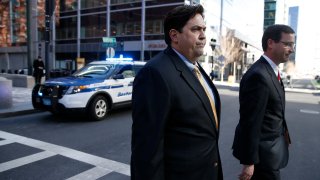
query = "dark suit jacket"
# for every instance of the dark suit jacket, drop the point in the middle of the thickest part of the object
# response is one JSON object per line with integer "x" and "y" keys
{"x": 259, "y": 135}
{"x": 36, "y": 70}
{"x": 173, "y": 132}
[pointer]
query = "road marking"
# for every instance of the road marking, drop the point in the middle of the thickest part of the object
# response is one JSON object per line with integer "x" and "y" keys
{"x": 93, "y": 173}
{"x": 309, "y": 111}
{"x": 5, "y": 142}
{"x": 25, "y": 160}
{"x": 97, "y": 161}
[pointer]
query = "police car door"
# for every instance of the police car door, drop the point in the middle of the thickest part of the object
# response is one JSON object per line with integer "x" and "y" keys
{"x": 123, "y": 87}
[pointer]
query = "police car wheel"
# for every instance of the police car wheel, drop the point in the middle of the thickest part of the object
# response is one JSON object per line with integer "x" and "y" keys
{"x": 98, "y": 108}
{"x": 56, "y": 113}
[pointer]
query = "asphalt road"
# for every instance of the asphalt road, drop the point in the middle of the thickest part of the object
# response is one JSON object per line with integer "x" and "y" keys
{"x": 40, "y": 146}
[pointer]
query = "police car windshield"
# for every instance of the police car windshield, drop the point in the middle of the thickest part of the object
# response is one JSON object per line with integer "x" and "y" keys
{"x": 94, "y": 70}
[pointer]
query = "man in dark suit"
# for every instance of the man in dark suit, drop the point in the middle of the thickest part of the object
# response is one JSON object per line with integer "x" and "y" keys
{"x": 261, "y": 138}
{"x": 38, "y": 68}
{"x": 175, "y": 125}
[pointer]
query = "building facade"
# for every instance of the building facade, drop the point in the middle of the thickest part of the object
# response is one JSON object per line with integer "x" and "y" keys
{"x": 93, "y": 30}
{"x": 77, "y": 29}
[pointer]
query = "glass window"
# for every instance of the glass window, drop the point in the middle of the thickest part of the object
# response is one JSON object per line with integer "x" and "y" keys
{"x": 160, "y": 2}
{"x": 124, "y": 4}
{"x": 13, "y": 27}
{"x": 154, "y": 19}
{"x": 92, "y": 3}
{"x": 270, "y": 6}
{"x": 5, "y": 39}
{"x": 126, "y": 23}
{"x": 154, "y": 27}
{"x": 68, "y": 5}
{"x": 93, "y": 25}
{"x": 67, "y": 28}
{"x": 114, "y": 2}
{"x": 269, "y": 14}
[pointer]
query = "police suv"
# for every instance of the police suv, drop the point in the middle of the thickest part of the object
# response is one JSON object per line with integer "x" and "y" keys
{"x": 96, "y": 88}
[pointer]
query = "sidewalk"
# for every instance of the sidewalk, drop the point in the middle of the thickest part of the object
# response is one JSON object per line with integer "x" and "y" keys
{"x": 21, "y": 102}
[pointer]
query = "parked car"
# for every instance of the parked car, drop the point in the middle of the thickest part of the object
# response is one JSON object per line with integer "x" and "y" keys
{"x": 95, "y": 89}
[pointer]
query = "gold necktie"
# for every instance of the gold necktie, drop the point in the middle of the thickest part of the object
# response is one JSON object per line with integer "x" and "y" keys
{"x": 213, "y": 107}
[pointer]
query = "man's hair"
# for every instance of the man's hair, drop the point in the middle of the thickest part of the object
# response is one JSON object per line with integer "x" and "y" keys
{"x": 178, "y": 18}
{"x": 274, "y": 32}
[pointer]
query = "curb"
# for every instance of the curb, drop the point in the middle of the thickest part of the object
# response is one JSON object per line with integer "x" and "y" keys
{"x": 19, "y": 113}
{"x": 235, "y": 86}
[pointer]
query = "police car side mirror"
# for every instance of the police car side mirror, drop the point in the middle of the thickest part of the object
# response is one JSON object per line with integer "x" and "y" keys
{"x": 118, "y": 76}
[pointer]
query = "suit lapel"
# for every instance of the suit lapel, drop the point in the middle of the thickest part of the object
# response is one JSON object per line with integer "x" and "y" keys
{"x": 276, "y": 83}
{"x": 281, "y": 92}
{"x": 193, "y": 82}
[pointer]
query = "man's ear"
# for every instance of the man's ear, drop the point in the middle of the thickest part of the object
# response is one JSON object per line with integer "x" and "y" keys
{"x": 270, "y": 43}
{"x": 173, "y": 35}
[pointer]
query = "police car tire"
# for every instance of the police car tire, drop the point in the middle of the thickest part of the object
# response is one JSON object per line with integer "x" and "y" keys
{"x": 56, "y": 113}
{"x": 98, "y": 108}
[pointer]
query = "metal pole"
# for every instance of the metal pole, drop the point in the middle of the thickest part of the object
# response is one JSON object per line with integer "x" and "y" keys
{"x": 143, "y": 20}
{"x": 78, "y": 28}
{"x": 53, "y": 24}
{"x": 221, "y": 17}
{"x": 212, "y": 75}
{"x": 220, "y": 34}
{"x": 108, "y": 18}
{"x": 11, "y": 20}
{"x": 29, "y": 39}
{"x": 49, "y": 12}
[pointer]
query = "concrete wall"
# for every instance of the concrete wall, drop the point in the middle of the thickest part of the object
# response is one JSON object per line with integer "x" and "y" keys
{"x": 19, "y": 80}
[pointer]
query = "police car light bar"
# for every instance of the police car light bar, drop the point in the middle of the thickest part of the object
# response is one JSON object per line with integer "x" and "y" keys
{"x": 121, "y": 58}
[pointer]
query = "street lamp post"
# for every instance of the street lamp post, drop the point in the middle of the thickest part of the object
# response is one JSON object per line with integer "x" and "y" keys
{"x": 213, "y": 46}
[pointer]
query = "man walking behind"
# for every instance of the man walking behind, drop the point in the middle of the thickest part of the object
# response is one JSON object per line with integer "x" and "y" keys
{"x": 261, "y": 138}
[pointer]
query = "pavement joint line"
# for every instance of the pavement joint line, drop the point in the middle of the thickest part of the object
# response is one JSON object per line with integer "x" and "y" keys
{"x": 93, "y": 173}
{"x": 70, "y": 153}
{"x": 25, "y": 160}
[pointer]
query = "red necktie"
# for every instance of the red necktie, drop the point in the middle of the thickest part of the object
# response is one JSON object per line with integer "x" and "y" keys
{"x": 279, "y": 76}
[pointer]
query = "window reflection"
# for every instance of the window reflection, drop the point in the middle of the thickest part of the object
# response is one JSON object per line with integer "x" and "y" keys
{"x": 68, "y": 28}
{"x": 93, "y": 25}
{"x": 92, "y": 3}
{"x": 69, "y": 5}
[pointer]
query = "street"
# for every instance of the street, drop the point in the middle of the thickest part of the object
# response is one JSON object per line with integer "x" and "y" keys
{"x": 40, "y": 146}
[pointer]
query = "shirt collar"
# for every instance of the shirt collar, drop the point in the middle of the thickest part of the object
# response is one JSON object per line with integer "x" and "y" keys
{"x": 272, "y": 64}
{"x": 185, "y": 60}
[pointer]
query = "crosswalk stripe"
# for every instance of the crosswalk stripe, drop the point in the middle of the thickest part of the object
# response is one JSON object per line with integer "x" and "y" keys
{"x": 93, "y": 173}
{"x": 70, "y": 153}
{"x": 25, "y": 160}
{"x": 5, "y": 142}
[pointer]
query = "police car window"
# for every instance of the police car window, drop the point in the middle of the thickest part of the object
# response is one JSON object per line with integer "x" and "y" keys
{"x": 137, "y": 68}
{"x": 95, "y": 70}
{"x": 127, "y": 71}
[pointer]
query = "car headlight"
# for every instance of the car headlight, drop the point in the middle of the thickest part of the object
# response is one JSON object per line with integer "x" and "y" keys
{"x": 76, "y": 89}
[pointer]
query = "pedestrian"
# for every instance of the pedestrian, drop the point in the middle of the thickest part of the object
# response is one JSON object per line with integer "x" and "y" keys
{"x": 38, "y": 68}
{"x": 261, "y": 137}
{"x": 175, "y": 127}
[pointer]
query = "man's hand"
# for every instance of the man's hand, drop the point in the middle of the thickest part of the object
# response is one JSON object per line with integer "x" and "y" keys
{"x": 247, "y": 172}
